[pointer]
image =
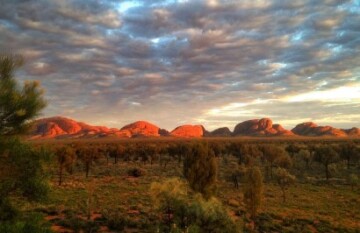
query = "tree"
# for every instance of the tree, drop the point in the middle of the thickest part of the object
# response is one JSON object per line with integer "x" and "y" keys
{"x": 210, "y": 216}
{"x": 117, "y": 152}
{"x": 66, "y": 157}
{"x": 253, "y": 190}
{"x": 284, "y": 179}
{"x": 353, "y": 180}
{"x": 250, "y": 152}
{"x": 239, "y": 151}
{"x": 326, "y": 155}
{"x": 18, "y": 105}
{"x": 349, "y": 151}
{"x": 21, "y": 169}
{"x": 170, "y": 197}
{"x": 306, "y": 156}
{"x": 272, "y": 153}
{"x": 183, "y": 212}
{"x": 21, "y": 166}
{"x": 201, "y": 169}
{"x": 283, "y": 161}
{"x": 238, "y": 174}
{"x": 88, "y": 155}
{"x": 292, "y": 149}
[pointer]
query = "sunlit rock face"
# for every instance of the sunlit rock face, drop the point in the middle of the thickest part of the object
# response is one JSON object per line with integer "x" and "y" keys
{"x": 188, "y": 131}
{"x": 262, "y": 127}
{"x": 220, "y": 132}
{"x": 312, "y": 129}
{"x": 56, "y": 127}
{"x": 61, "y": 127}
{"x": 142, "y": 129}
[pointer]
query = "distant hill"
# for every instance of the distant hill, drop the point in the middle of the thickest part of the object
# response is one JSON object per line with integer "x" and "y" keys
{"x": 312, "y": 129}
{"x": 61, "y": 127}
{"x": 189, "y": 131}
{"x": 262, "y": 127}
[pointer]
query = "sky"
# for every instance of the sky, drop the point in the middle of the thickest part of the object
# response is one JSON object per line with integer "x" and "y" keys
{"x": 174, "y": 62}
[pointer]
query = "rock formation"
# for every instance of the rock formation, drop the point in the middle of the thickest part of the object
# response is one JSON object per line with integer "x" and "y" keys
{"x": 188, "y": 131}
{"x": 220, "y": 132}
{"x": 142, "y": 129}
{"x": 61, "y": 127}
{"x": 55, "y": 127}
{"x": 262, "y": 127}
{"x": 312, "y": 129}
{"x": 353, "y": 131}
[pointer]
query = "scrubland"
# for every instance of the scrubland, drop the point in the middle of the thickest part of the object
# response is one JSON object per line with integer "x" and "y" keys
{"x": 108, "y": 185}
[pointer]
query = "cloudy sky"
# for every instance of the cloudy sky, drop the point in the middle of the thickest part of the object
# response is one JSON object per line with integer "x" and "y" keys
{"x": 172, "y": 62}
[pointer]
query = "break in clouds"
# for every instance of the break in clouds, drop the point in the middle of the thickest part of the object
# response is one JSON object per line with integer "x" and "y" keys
{"x": 173, "y": 62}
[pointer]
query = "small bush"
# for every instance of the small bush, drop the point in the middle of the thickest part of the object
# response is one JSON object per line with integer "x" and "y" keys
{"x": 136, "y": 172}
{"x": 115, "y": 221}
{"x": 30, "y": 224}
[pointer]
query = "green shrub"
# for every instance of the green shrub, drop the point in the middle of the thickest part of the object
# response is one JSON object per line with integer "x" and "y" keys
{"x": 30, "y": 224}
{"x": 180, "y": 211}
{"x": 201, "y": 169}
{"x": 115, "y": 220}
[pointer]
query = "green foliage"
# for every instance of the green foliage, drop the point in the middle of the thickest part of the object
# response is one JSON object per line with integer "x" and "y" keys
{"x": 21, "y": 169}
{"x": 349, "y": 152}
{"x": 182, "y": 212}
{"x": 284, "y": 161}
{"x": 115, "y": 220}
{"x": 238, "y": 175}
{"x": 253, "y": 191}
{"x": 88, "y": 155}
{"x": 244, "y": 152}
{"x": 66, "y": 158}
{"x": 292, "y": 149}
{"x": 21, "y": 166}
{"x": 78, "y": 225}
{"x": 201, "y": 169}
{"x": 284, "y": 179}
{"x": 29, "y": 224}
{"x": 353, "y": 180}
{"x": 306, "y": 156}
{"x": 7, "y": 210}
{"x": 17, "y": 105}
{"x": 326, "y": 155}
{"x": 170, "y": 197}
{"x": 22, "y": 173}
{"x": 275, "y": 155}
{"x": 210, "y": 216}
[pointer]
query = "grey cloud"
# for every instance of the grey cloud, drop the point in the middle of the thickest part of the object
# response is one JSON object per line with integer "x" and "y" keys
{"x": 181, "y": 59}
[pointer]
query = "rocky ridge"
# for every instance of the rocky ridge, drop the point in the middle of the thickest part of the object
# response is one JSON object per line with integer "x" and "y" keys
{"x": 61, "y": 127}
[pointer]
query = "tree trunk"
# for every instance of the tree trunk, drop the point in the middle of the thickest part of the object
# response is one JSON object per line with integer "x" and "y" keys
{"x": 71, "y": 170}
{"x": 61, "y": 168}
{"x": 327, "y": 171}
{"x": 87, "y": 168}
{"x": 307, "y": 164}
{"x": 235, "y": 180}
{"x": 283, "y": 195}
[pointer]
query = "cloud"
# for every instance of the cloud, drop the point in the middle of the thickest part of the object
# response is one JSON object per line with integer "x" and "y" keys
{"x": 215, "y": 62}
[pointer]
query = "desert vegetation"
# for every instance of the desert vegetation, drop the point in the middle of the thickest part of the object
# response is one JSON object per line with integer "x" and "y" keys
{"x": 171, "y": 185}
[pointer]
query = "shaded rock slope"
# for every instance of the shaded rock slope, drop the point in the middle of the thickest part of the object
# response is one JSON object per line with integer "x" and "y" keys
{"x": 312, "y": 129}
